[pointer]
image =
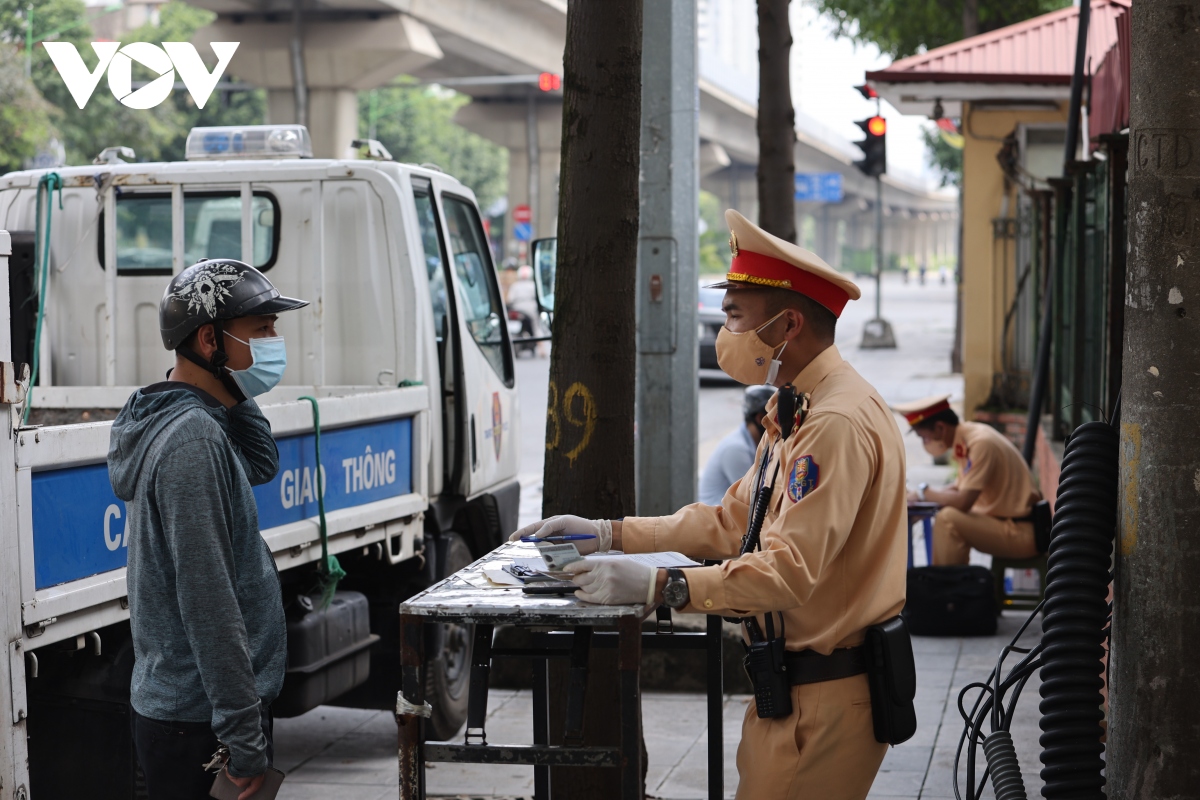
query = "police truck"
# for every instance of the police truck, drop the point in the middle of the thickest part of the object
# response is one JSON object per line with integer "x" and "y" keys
{"x": 404, "y": 346}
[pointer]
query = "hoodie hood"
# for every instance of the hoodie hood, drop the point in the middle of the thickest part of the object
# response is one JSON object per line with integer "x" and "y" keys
{"x": 135, "y": 431}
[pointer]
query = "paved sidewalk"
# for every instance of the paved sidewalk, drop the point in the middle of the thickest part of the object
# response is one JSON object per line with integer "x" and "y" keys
{"x": 350, "y": 754}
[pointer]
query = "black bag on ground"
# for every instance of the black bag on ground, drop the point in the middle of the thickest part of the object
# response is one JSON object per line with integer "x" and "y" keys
{"x": 892, "y": 673}
{"x": 951, "y": 601}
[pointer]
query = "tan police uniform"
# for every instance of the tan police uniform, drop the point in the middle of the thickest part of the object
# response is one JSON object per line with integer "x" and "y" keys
{"x": 833, "y": 561}
{"x": 989, "y": 462}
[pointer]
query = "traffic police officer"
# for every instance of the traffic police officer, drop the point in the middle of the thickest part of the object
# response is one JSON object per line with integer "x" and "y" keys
{"x": 990, "y": 503}
{"x": 833, "y": 546}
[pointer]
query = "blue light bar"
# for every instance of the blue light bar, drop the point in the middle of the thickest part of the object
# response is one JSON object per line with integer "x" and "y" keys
{"x": 248, "y": 141}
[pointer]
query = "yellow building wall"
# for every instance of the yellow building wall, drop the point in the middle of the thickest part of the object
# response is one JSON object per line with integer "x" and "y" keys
{"x": 983, "y": 256}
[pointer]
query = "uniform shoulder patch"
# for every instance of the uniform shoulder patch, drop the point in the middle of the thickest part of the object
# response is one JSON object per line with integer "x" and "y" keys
{"x": 805, "y": 476}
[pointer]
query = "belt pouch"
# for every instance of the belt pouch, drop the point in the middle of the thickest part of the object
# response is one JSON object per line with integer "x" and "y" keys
{"x": 1043, "y": 521}
{"x": 772, "y": 691}
{"x": 892, "y": 673}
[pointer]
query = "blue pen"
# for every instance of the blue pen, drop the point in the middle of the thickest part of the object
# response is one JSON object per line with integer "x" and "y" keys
{"x": 566, "y": 537}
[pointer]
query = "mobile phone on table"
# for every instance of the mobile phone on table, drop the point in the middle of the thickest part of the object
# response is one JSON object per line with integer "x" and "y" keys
{"x": 550, "y": 587}
{"x": 225, "y": 789}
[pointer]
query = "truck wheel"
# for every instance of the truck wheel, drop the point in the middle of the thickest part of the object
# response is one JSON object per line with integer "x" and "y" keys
{"x": 448, "y": 675}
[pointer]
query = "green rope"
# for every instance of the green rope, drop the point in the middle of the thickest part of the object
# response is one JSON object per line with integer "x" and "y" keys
{"x": 49, "y": 182}
{"x": 330, "y": 570}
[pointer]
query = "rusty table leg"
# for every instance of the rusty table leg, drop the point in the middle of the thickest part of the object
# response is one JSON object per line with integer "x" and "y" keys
{"x": 541, "y": 724}
{"x": 629, "y": 659}
{"x": 411, "y": 709}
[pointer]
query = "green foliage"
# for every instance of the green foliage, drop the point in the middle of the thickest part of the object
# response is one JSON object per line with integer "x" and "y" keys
{"x": 714, "y": 241}
{"x": 903, "y": 27}
{"x": 416, "y": 125}
{"x": 947, "y": 160}
{"x": 25, "y": 117}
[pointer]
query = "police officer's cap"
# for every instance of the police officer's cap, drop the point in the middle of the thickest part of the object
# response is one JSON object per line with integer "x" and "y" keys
{"x": 216, "y": 289}
{"x": 917, "y": 411}
{"x": 761, "y": 260}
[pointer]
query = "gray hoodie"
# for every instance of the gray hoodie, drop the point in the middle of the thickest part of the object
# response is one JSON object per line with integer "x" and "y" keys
{"x": 209, "y": 637}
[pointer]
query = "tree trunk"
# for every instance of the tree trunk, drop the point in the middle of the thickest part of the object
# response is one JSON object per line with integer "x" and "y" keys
{"x": 1155, "y": 667}
{"x": 776, "y": 122}
{"x": 589, "y": 428}
{"x": 970, "y": 18}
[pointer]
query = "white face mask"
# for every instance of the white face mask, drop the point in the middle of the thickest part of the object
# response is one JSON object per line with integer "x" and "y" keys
{"x": 935, "y": 448}
{"x": 746, "y": 358}
{"x": 266, "y": 370}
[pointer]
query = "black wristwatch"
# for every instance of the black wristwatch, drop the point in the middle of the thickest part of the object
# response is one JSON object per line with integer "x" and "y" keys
{"x": 675, "y": 593}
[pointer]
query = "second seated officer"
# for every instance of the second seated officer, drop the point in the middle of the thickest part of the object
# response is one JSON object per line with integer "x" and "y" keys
{"x": 990, "y": 504}
{"x": 833, "y": 545}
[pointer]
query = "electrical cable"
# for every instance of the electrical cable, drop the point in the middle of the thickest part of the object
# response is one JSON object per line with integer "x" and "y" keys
{"x": 1075, "y": 628}
{"x": 329, "y": 568}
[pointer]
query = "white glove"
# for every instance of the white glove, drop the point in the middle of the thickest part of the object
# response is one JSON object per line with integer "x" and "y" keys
{"x": 566, "y": 523}
{"x": 614, "y": 581}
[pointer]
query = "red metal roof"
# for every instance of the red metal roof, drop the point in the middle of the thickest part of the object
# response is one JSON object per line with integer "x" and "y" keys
{"x": 1038, "y": 50}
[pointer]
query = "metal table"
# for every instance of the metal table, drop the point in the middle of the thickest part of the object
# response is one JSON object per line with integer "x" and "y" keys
{"x": 569, "y": 627}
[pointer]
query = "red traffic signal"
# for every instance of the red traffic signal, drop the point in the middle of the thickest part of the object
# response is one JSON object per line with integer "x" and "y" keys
{"x": 549, "y": 82}
{"x": 874, "y": 147}
{"x": 867, "y": 92}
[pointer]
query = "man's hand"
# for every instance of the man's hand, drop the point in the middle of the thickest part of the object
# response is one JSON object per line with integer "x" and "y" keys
{"x": 249, "y": 786}
{"x": 566, "y": 523}
{"x": 913, "y": 497}
{"x": 614, "y": 581}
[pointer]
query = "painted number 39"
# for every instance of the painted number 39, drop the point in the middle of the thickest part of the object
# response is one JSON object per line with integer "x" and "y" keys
{"x": 578, "y": 408}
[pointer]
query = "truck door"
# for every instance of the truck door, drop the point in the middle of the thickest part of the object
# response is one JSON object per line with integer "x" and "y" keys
{"x": 477, "y": 358}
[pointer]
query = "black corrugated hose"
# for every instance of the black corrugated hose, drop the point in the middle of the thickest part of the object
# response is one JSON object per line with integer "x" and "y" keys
{"x": 1074, "y": 631}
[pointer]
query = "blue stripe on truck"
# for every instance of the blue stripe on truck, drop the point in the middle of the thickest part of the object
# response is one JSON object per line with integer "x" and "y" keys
{"x": 79, "y": 524}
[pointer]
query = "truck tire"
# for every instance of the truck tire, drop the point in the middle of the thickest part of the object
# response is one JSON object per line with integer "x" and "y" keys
{"x": 448, "y": 675}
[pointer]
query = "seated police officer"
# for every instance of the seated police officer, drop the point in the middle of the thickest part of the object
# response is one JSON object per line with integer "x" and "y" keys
{"x": 833, "y": 551}
{"x": 990, "y": 503}
{"x": 209, "y": 637}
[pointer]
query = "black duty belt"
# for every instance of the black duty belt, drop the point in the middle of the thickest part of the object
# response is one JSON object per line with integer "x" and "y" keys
{"x": 809, "y": 666}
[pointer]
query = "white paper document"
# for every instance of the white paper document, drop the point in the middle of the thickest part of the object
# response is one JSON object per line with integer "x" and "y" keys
{"x": 660, "y": 560}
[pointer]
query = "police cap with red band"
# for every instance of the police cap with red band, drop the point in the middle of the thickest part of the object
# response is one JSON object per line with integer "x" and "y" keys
{"x": 917, "y": 411}
{"x": 761, "y": 260}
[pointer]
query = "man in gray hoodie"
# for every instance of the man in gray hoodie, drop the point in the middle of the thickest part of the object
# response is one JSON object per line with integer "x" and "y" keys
{"x": 204, "y": 598}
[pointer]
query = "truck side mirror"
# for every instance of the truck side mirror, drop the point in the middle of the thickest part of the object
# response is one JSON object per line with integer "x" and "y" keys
{"x": 545, "y": 264}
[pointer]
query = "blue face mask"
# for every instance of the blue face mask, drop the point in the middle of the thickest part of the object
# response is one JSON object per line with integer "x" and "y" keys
{"x": 270, "y": 360}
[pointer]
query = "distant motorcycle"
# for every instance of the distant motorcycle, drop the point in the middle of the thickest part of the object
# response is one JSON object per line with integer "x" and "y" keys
{"x": 520, "y": 326}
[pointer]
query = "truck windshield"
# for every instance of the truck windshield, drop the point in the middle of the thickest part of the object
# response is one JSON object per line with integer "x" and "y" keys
{"x": 212, "y": 229}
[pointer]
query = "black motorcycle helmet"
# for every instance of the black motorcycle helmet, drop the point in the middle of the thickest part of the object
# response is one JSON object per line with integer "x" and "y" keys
{"x": 209, "y": 291}
{"x": 754, "y": 401}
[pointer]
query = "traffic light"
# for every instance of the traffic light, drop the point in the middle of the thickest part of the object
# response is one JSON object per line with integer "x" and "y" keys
{"x": 874, "y": 147}
{"x": 549, "y": 82}
{"x": 867, "y": 92}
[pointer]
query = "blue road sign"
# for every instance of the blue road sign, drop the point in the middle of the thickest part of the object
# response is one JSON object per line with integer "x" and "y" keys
{"x": 79, "y": 524}
{"x": 819, "y": 187}
{"x": 523, "y": 231}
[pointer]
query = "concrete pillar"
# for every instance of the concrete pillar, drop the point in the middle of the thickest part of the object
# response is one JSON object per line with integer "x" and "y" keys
{"x": 667, "y": 404}
{"x": 332, "y": 118}
{"x": 341, "y": 58}
{"x": 506, "y": 122}
{"x": 1155, "y": 663}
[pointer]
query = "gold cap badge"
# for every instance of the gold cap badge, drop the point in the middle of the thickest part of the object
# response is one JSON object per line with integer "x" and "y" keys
{"x": 733, "y": 247}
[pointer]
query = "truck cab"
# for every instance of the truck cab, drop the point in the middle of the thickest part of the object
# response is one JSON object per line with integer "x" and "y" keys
{"x": 404, "y": 345}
